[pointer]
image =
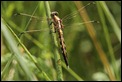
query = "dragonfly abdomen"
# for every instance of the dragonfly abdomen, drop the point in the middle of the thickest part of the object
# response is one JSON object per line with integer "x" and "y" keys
{"x": 63, "y": 46}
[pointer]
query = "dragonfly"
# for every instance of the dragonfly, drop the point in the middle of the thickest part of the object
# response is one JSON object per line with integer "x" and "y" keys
{"x": 57, "y": 22}
{"x": 58, "y": 26}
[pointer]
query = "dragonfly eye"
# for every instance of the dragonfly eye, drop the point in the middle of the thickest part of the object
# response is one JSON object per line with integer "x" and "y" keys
{"x": 54, "y": 13}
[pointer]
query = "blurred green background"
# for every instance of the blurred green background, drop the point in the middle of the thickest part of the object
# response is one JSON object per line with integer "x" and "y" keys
{"x": 84, "y": 61}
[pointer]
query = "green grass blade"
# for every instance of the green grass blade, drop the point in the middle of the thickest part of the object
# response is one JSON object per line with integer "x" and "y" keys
{"x": 113, "y": 23}
{"x": 13, "y": 45}
{"x": 56, "y": 53}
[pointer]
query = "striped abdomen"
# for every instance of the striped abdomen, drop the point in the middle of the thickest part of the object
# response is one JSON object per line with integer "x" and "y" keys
{"x": 62, "y": 45}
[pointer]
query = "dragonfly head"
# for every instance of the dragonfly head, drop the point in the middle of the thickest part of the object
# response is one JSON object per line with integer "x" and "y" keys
{"x": 54, "y": 13}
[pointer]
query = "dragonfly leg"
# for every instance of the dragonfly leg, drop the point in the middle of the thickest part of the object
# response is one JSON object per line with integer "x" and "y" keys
{"x": 52, "y": 31}
{"x": 51, "y": 23}
{"x": 54, "y": 27}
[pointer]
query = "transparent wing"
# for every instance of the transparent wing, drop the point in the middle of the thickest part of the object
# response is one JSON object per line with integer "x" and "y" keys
{"x": 40, "y": 19}
{"x": 75, "y": 13}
